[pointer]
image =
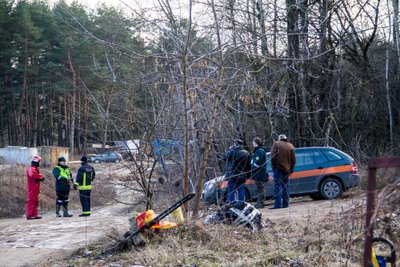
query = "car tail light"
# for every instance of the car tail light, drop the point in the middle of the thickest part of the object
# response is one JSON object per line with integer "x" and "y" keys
{"x": 354, "y": 168}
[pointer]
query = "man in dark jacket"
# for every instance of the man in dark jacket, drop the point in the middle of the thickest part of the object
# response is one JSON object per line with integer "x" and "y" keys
{"x": 259, "y": 171}
{"x": 84, "y": 178}
{"x": 63, "y": 177}
{"x": 283, "y": 160}
{"x": 237, "y": 169}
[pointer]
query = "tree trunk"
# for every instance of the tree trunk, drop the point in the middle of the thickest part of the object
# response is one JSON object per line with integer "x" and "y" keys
{"x": 396, "y": 32}
{"x": 186, "y": 107}
{"x": 261, "y": 22}
{"x": 275, "y": 27}
{"x": 108, "y": 98}
{"x": 23, "y": 111}
{"x": 36, "y": 129}
{"x": 213, "y": 115}
{"x": 59, "y": 122}
{"x": 73, "y": 111}
{"x": 387, "y": 71}
{"x": 389, "y": 101}
{"x": 66, "y": 120}
{"x": 78, "y": 123}
{"x": 50, "y": 109}
{"x": 293, "y": 54}
{"x": 85, "y": 124}
{"x": 2, "y": 104}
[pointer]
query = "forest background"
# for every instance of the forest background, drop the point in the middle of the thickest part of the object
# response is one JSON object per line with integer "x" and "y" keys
{"x": 324, "y": 72}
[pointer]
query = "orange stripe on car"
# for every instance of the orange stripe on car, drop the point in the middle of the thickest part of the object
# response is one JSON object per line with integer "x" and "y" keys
{"x": 325, "y": 171}
{"x": 302, "y": 174}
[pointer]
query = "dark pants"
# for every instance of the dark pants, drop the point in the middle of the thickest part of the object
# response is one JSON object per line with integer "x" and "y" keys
{"x": 260, "y": 192}
{"x": 232, "y": 188}
{"x": 281, "y": 189}
{"x": 84, "y": 196}
{"x": 62, "y": 198}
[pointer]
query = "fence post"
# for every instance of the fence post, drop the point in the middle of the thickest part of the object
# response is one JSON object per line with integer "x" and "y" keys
{"x": 369, "y": 232}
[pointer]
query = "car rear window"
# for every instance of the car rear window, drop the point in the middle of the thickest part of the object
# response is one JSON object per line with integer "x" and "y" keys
{"x": 332, "y": 156}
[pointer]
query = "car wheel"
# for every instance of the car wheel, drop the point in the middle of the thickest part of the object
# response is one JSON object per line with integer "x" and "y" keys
{"x": 331, "y": 188}
{"x": 97, "y": 161}
{"x": 117, "y": 161}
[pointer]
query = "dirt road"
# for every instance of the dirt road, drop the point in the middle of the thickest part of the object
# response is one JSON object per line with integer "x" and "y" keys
{"x": 26, "y": 243}
{"x": 304, "y": 208}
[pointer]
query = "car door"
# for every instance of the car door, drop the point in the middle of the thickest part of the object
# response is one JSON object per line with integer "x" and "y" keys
{"x": 110, "y": 157}
{"x": 310, "y": 167}
{"x": 303, "y": 177}
{"x": 113, "y": 157}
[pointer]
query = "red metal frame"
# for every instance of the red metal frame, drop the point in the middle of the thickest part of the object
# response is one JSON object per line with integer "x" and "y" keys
{"x": 373, "y": 165}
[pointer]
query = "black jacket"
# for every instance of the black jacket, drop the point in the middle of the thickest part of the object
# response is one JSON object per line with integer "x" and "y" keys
{"x": 63, "y": 177}
{"x": 259, "y": 165}
{"x": 90, "y": 175}
{"x": 237, "y": 164}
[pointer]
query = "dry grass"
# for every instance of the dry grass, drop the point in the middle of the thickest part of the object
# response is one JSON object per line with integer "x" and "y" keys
{"x": 332, "y": 240}
{"x": 305, "y": 243}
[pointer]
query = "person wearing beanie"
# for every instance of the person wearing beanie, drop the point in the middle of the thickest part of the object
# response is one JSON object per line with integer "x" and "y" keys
{"x": 63, "y": 177}
{"x": 283, "y": 160}
{"x": 237, "y": 170}
{"x": 259, "y": 171}
{"x": 33, "y": 187}
{"x": 83, "y": 183}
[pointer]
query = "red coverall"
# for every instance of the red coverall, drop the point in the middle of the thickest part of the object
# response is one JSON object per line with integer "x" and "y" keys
{"x": 33, "y": 186}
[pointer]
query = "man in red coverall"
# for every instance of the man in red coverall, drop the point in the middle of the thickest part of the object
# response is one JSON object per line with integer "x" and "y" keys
{"x": 33, "y": 185}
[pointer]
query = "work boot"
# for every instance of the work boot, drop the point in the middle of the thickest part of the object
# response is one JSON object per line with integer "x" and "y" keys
{"x": 34, "y": 218}
{"x": 58, "y": 211}
{"x": 66, "y": 214}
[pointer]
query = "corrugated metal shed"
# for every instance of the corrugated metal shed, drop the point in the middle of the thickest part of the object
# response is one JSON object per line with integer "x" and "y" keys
{"x": 18, "y": 154}
{"x": 50, "y": 154}
{"x": 23, "y": 155}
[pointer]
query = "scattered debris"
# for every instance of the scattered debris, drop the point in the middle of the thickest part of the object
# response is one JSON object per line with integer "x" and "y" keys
{"x": 237, "y": 213}
{"x": 145, "y": 221}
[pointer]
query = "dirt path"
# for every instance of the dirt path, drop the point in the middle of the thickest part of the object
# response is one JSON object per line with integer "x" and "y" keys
{"x": 305, "y": 208}
{"x": 25, "y": 243}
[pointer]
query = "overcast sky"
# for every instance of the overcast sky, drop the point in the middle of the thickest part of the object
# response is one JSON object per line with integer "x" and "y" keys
{"x": 132, "y": 3}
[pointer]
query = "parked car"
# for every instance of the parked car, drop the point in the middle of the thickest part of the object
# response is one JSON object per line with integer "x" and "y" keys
{"x": 107, "y": 157}
{"x": 320, "y": 172}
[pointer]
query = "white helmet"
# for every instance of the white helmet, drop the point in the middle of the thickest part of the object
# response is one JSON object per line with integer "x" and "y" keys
{"x": 238, "y": 213}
